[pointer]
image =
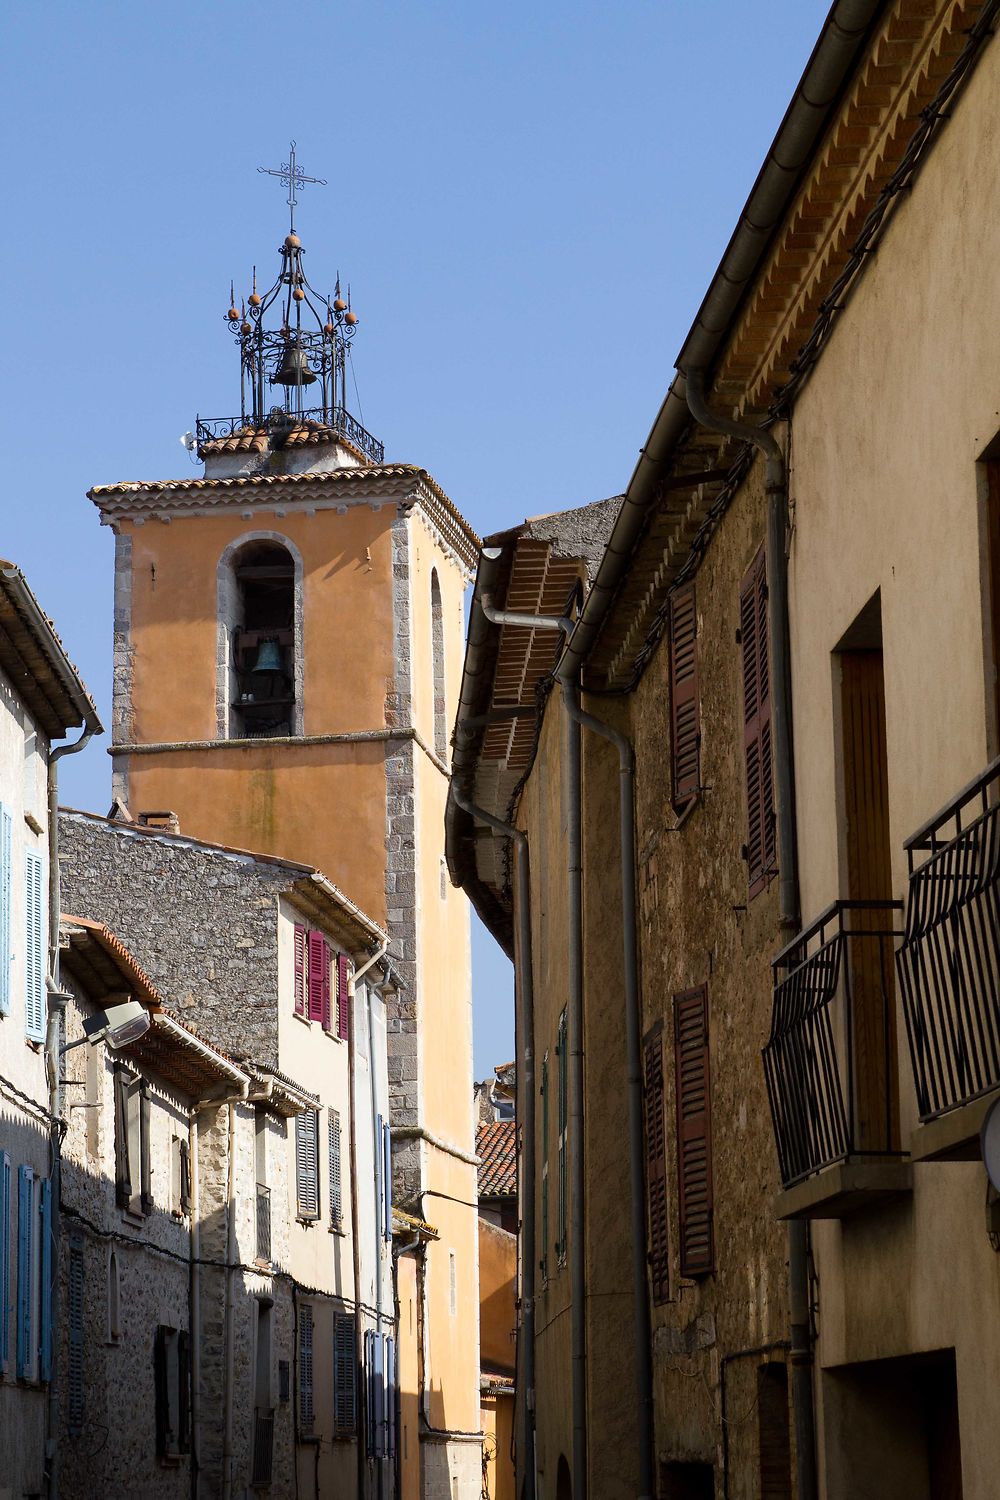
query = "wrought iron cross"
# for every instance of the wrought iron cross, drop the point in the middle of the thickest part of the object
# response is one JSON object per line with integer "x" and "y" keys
{"x": 292, "y": 177}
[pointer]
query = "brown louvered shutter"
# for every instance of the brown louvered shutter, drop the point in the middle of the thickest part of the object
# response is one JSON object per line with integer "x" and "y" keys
{"x": 326, "y": 1003}
{"x": 760, "y": 844}
{"x": 300, "y": 970}
{"x": 694, "y": 1141}
{"x": 656, "y": 1166}
{"x": 685, "y": 727}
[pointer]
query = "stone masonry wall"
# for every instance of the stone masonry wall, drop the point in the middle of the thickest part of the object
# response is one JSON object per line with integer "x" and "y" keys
{"x": 400, "y": 883}
{"x": 210, "y": 945}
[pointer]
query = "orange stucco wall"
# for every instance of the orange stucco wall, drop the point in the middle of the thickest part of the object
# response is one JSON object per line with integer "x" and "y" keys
{"x": 497, "y": 1315}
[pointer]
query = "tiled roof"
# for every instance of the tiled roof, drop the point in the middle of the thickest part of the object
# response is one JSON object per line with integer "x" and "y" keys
{"x": 252, "y": 439}
{"x": 34, "y": 659}
{"x": 496, "y": 1147}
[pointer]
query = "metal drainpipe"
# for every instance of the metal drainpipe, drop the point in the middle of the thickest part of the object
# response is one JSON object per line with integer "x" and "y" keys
{"x": 55, "y": 1010}
{"x": 229, "y": 1321}
{"x": 524, "y": 1031}
{"x": 633, "y": 1030}
{"x": 379, "y": 1153}
{"x": 194, "y": 1296}
{"x": 775, "y": 483}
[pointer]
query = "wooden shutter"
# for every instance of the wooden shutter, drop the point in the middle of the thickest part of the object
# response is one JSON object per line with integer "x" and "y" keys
{"x": 760, "y": 845}
{"x": 75, "y": 1355}
{"x": 123, "y": 1181}
{"x": 379, "y": 1175}
{"x": 160, "y": 1393}
{"x": 34, "y": 966}
{"x": 300, "y": 970}
{"x": 305, "y": 1364}
{"x": 306, "y": 1163}
{"x": 656, "y": 1166}
{"x": 145, "y": 1180}
{"x": 685, "y": 726}
{"x": 343, "y": 996}
{"x": 774, "y": 1434}
{"x": 694, "y": 1145}
{"x": 4, "y": 1260}
{"x": 185, "y": 1194}
{"x": 317, "y": 950}
{"x": 5, "y": 881}
{"x": 344, "y": 1373}
{"x": 45, "y": 1288}
{"x": 390, "y": 1397}
{"x": 336, "y": 1196}
{"x": 562, "y": 1050}
{"x": 183, "y": 1391}
{"x": 25, "y": 1239}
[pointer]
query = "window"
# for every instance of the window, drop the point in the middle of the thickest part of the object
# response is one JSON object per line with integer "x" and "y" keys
{"x": 437, "y": 658}
{"x": 263, "y": 1200}
{"x": 343, "y": 996}
{"x": 257, "y": 594}
{"x": 30, "y": 768}
{"x": 306, "y": 1366}
{"x": 172, "y": 1379}
{"x": 336, "y": 1196}
{"x": 345, "y": 1415}
{"x": 313, "y": 996}
{"x": 773, "y": 1432}
{"x": 685, "y": 727}
{"x": 452, "y": 1283}
{"x": 133, "y": 1189}
{"x": 263, "y": 1427}
{"x": 383, "y": 1176}
{"x": 307, "y": 1164}
{"x": 694, "y": 1143}
{"x": 562, "y": 1049}
{"x": 380, "y": 1380}
{"x": 759, "y": 850}
{"x": 34, "y": 955}
{"x": 6, "y": 954}
{"x": 656, "y": 1166}
{"x": 27, "y": 1240}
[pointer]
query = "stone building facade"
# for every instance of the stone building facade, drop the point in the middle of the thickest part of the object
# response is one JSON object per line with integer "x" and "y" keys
{"x": 219, "y": 931}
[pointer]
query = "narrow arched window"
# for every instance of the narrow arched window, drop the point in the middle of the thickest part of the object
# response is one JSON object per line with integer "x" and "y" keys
{"x": 437, "y": 656}
{"x": 114, "y": 1301}
{"x": 261, "y": 668}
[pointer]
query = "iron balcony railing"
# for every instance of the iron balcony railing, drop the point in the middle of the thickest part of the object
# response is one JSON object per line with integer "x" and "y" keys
{"x": 829, "y": 1062}
{"x": 263, "y": 1222}
{"x": 263, "y": 1447}
{"x": 949, "y": 963}
{"x": 338, "y": 418}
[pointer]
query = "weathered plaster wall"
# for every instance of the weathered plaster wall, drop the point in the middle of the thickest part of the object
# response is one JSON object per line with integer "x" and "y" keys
{"x": 886, "y": 437}
{"x": 497, "y": 1291}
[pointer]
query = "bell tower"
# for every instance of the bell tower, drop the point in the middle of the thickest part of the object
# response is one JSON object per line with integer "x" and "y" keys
{"x": 288, "y": 645}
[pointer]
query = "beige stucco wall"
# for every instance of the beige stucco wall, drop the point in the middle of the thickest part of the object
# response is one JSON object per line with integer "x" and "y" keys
{"x": 886, "y": 496}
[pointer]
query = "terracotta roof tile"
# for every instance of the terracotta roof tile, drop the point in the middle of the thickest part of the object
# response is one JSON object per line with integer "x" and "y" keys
{"x": 496, "y": 1147}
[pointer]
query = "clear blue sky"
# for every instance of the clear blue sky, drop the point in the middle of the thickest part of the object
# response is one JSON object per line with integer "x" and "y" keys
{"x": 528, "y": 199}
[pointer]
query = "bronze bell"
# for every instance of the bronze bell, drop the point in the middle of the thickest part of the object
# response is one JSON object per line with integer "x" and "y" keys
{"x": 294, "y": 368}
{"x": 268, "y": 657}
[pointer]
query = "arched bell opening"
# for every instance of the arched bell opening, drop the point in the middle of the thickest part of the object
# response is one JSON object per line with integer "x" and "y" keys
{"x": 260, "y": 657}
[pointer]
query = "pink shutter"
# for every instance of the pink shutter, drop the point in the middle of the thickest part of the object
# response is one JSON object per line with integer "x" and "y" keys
{"x": 343, "y": 996}
{"x": 316, "y": 947}
{"x": 300, "y": 970}
{"x": 327, "y": 959}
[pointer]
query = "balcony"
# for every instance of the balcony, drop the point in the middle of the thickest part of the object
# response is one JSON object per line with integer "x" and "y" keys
{"x": 830, "y": 1064}
{"x": 949, "y": 970}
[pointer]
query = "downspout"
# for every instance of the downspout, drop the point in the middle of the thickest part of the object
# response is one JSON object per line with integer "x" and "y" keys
{"x": 379, "y": 1236}
{"x": 569, "y": 687}
{"x": 524, "y": 1049}
{"x": 230, "y": 1317}
{"x": 355, "y": 1230}
{"x": 55, "y": 1012}
{"x": 776, "y": 488}
{"x": 359, "y": 1333}
{"x": 194, "y": 1310}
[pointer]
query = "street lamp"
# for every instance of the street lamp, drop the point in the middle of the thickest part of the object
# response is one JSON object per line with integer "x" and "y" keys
{"x": 115, "y": 1027}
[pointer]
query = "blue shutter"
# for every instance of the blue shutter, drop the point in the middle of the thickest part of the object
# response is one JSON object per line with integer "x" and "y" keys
{"x": 369, "y": 1396}
{"x": 378, "y": 1345}
{"x": 379, "y": 1187}
{"x": 45, "y": 1282}
{"x": 387, "y": 1180}
{"x": 25, "y": 1182}
{"x": 34, "y": 960}
{"x": 390, "y": 1395}
{"x": 4, "y": 1260}
{"x": 5, "y": 950}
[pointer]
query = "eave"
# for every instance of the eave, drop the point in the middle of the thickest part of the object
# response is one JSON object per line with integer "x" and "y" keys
{"x": 33, "y": 658}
